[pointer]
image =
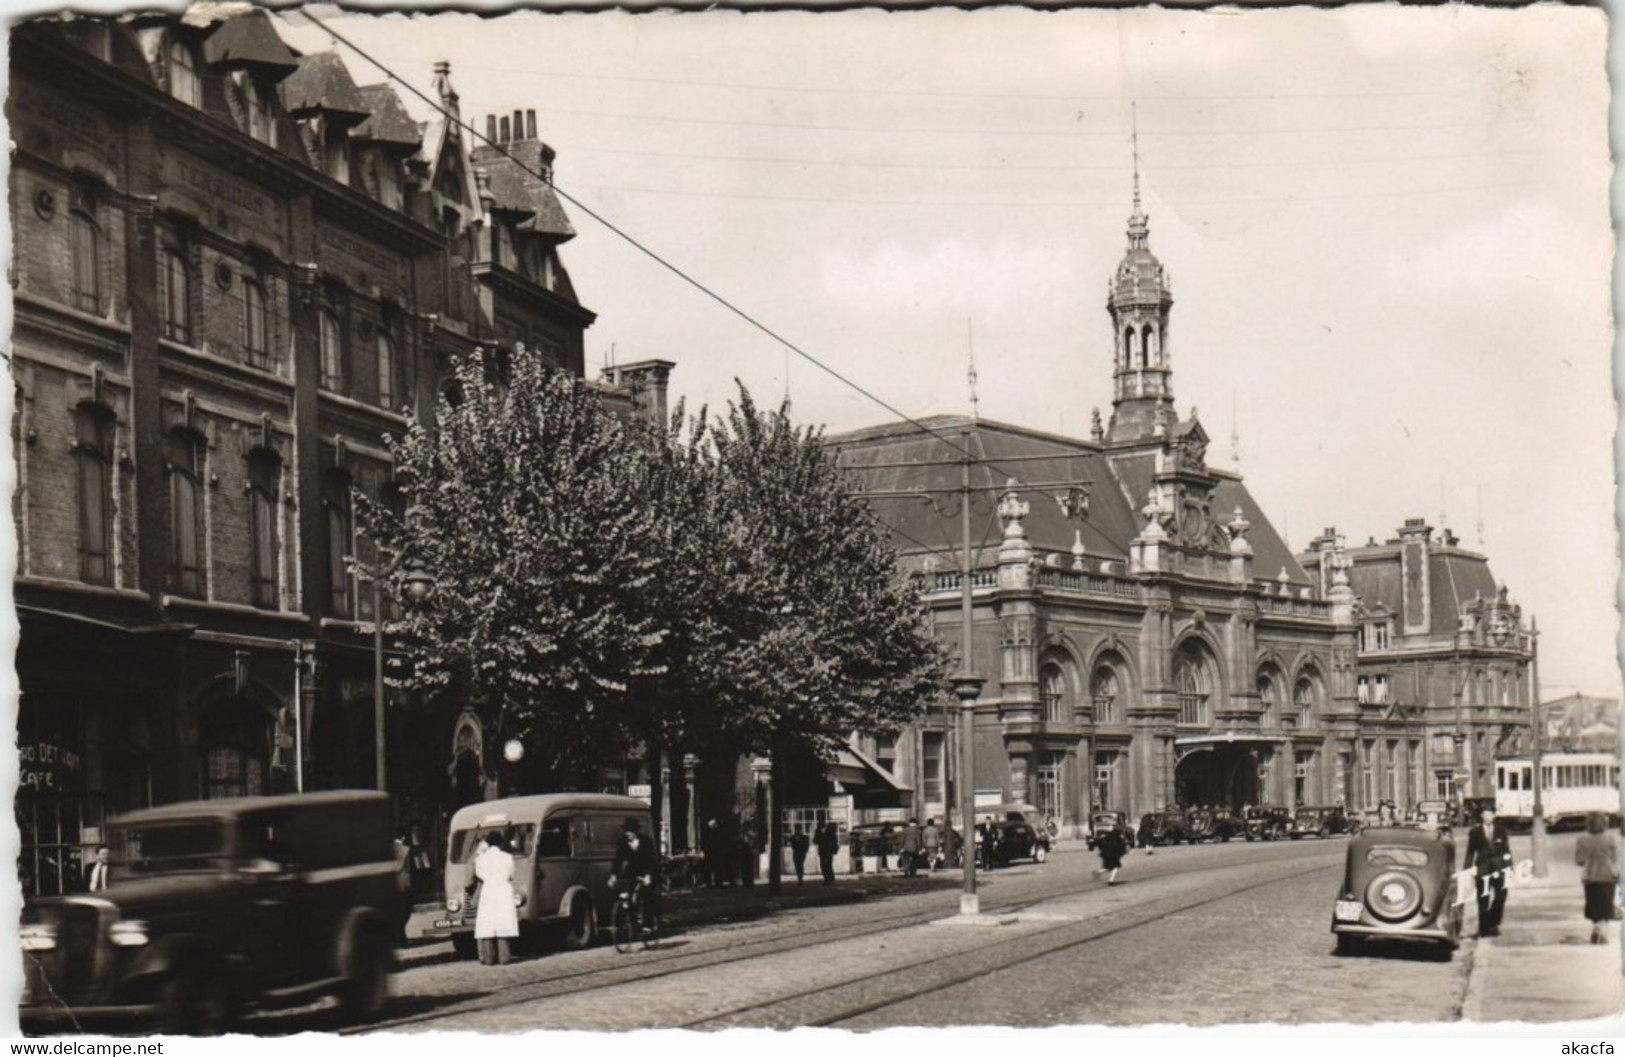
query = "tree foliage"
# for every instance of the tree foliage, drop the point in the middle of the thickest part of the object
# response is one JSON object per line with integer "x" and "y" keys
{"x": 701, "y": 585}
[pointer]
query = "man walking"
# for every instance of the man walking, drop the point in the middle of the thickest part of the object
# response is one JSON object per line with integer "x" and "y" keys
{"x": 96, "y": 876}
{"x": 931, "y": 841}
{"x": 828, "y": 840}
{"x": 1490, "y": 857}
{"x": 798, "y": 851}
{"x": 913, "y": 847}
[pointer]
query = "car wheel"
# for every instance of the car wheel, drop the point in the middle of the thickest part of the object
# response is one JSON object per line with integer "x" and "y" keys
{"x": 366, "y": 991}
{"x": 463, "y": 944}
{"x": 579, "y": 933}
{"x": 195, "y": 1002}
{"x": 1348, "y": 944}
{"x": 1040, "y": 853}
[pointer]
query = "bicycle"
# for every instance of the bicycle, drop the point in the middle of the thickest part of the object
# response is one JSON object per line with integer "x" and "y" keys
{"x": 627, "y": 923}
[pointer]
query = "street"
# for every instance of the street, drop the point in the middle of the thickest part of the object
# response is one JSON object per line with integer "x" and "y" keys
{"x": 1202, "y": 935}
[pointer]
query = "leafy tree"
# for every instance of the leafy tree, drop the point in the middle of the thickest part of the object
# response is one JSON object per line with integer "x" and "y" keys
{"x": 521, "y": 505}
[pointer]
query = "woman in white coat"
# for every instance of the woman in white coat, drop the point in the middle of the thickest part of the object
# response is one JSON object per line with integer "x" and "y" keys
{"x": 497, "y": 919}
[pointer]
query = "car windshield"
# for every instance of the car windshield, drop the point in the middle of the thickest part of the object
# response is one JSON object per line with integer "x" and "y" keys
{"x": 168, "y": 848}
{"x": 465, "y": 842}
{"x": 1394, "y": 855}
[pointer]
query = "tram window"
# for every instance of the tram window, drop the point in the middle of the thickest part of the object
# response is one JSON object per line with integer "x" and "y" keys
{"x": 1500, "y": 779}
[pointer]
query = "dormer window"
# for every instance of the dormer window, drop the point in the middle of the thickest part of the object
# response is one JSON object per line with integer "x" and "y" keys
{"x": 257, "y": 110}
{"x": 183, "y": 76}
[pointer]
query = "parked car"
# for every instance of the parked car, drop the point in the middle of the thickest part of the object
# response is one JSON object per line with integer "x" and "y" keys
{"x": 1398, "y": 883}
{"x": 1163, "y": 827}
{"x": 1101, "y": 821}
{"x": 871, "y": 838}
{"x": 1434, "y": 815}
{"x": 562, "y": 844}
{"x": 1318, "y": 822}
{"x": 1227, "y": 823}
{"x": 1267, "y": 822}
{"x": 218, "y": 906}
{"x": 1017, "y": 841}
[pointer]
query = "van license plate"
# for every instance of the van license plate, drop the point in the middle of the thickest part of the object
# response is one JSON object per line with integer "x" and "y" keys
{"x": 1347, "y": 910}
{"x": 445, "y": 924}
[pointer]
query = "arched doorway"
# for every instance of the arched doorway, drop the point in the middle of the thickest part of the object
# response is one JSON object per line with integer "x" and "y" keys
{"x": 1220, "y": 774}
{"x": 234, "y": 740}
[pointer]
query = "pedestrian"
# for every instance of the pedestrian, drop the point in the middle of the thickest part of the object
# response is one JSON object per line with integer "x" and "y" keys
{"x": 634, "y": 865}
{"x": 711, "y": 853}
{"x": 885, "y": 845}
{"x": 96, "y": 877}
{"x": 1597, "y": 853}
{"x": 497, "y": 919}
{"x": 990, "y": 843}
{"x": 798, "y": 851}
{"x": 931, "y": 841}
{"x": 913, "y": 847}
{"x": 828, "y": 840}
{"x": 745, "y": 849}
{"x": 950, "y": 845}
{"x": 1112, "y": 847}
{"x": 1489, "y": 855}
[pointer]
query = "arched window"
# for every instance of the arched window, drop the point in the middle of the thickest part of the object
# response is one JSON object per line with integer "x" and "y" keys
{"x": 177, "y": 296}
{"x": 257, "y": 106}
{"x": 386, "y": 370}
{"x": 1148, "y": 338}
{"x": 235, "y": 740}
{"x": 183, "y": 79}
{"x": 1190, "y": 686}
{"x": 264, "y": 478}
{"x": 183, "y": 463}
{"x": 1052, "y": 691}
{"x": 1131, "y": 348}
{"x": 1269, "y": 699}
{"x": 93, "y": 452}
{"x": 340, "y": 542}
{"x": 1304, "y": 697}
{"x": 332, "y": 352}
{"x": 1103, "y": 691}
{"x": 255, "y": 339}
{"x": 87, "y": 285}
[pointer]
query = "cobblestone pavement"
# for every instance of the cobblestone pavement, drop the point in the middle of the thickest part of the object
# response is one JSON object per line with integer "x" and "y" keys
{"x": 1202, "y": 935}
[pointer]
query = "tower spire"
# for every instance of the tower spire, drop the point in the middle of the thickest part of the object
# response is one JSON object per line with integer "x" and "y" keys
{"x": 1134, "y": 139}
{"x": 970, "y": 373}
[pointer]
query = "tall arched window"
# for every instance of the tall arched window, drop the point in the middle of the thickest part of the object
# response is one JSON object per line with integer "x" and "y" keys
{"x": 336, "y": 505}
{"x": 87, "y": 284}
{"x": 1190, "y": 686}
{"x": 332, "y": 352}
{"x": 1269, "y": 699}
{"x": 256, "y": 340}
{"x": 183, "y": 463}
{"x": 1104, "y": 692}
{"x": 1131, "y": 349}
{"x": 1052, "y": 691}
{"x": 235, "y": 739}
{"x": 177, "y": 296}
{"x": 93, "y": 453}
{"x": 1148, "y": 338}
{"x": 183, "y": 79}
{"x": 1304, "y": 697}
{"x": 386, "y": 370}
{"x": 264, "y": 478}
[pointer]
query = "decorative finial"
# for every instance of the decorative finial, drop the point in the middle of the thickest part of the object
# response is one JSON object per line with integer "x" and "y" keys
{"x": 1078, "y": 550}
{"x": 970, "y": 373}
{"x": 1134, "y": 137}
{"x": 1096, "y": 430}
{"x": 1235, "y": 434}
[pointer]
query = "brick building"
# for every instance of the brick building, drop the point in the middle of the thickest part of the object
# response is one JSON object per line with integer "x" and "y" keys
{"x": 233, "y": 270}
{"x": 1148, "y": 639}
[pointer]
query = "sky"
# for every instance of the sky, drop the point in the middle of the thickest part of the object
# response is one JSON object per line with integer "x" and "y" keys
{"x": 1387, "y": 230}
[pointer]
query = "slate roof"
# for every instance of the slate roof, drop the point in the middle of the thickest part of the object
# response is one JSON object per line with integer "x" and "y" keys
{"x": 387, "y": 120}
{"x": 507, "y": 190}
{"x": 1113, "y": 519}
{"x": 323, "y": 83}
{"x": 250, "y": 38}
{"x": 1455, "y": 577}
{"x": 541, "y": 201}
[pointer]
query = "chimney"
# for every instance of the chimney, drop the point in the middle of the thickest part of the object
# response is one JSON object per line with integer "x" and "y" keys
{"x": 530, "y": 124}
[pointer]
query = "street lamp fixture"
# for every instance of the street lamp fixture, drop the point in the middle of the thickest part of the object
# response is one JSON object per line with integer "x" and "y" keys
{"x": 967, "y": 687}
{"x": 415, "y": 586}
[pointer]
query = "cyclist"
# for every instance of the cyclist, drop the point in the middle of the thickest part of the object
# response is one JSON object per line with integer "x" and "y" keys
{"x": 634, "y": 866}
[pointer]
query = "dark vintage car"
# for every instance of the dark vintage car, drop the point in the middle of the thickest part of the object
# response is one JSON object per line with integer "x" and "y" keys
{"x": 1318, "y": 822}
{"x": 877, "y": 838}
{"x": 1267, "y": 822}
{"x": 1101, "y": 821}
{"x": 1217, "y": 824}
{"x": 218, "y": 906}
{"x": 1398, "y": 883}
{"x": 1018, "y": 841}
{"x": 1163, "y": 827}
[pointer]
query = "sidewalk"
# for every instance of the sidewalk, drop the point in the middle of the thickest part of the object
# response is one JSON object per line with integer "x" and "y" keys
{"x": 710, "y": 906}
{"x": 1542, "y": 967}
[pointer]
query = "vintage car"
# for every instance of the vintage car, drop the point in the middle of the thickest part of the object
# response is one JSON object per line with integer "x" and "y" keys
{"x": 1017, "y": 841}
{"x": 1101, "y": 821}
{"x": 1163, "y": 827}
{"x": 1318, "y": 822}
{"x": 873, "y": 839}
{"x": 1433, "y": 814}
{"x": 217, "y": 906}
{"x": 1210, "y": 823}
{"x": 1398, "y": 883}
{"x": 1267, "y": 822}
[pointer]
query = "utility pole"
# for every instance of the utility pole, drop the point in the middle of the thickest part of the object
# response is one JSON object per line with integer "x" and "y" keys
{"x": 1537, "y": 826}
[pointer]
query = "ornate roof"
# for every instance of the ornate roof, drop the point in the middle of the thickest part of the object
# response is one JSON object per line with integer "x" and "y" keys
{"x": 250, "y": 39}
{"x": 387, "y": 120}
{"x": 323, "y": 84}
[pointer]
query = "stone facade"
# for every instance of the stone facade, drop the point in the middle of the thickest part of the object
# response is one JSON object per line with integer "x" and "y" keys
{"x": 233, "y": 271}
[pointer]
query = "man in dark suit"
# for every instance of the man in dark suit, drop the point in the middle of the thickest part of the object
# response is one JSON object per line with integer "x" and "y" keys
{"x": 1489, "y": 855}
{"x": 96, "y": 877}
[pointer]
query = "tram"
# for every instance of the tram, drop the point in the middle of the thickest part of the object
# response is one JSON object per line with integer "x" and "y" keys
{"x": 1574, "y": 785}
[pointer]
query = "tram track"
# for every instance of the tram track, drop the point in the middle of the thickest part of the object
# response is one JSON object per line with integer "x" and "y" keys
{"x": 657, "y": 964}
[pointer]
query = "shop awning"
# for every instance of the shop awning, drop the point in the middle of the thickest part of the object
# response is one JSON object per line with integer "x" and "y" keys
{"x": 64, "y": 617}
{"x": 857, "y": 773}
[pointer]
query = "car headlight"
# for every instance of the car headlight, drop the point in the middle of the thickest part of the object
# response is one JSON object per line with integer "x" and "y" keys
{"x": 453, "y": 905}
{"x": 128, "y": 934}
{"x": 37, "y": 937}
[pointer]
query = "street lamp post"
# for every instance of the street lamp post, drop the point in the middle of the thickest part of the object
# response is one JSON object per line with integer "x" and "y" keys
{"x": 1537, "y": 823}
{"x": 417, "y": 585}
